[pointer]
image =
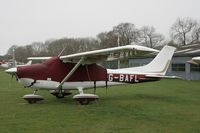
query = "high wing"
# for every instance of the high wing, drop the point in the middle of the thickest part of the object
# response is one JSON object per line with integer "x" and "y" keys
{"x": 99, "y": 55}
{"x": 103, "y": 54}
{"x": 38, "y": 58}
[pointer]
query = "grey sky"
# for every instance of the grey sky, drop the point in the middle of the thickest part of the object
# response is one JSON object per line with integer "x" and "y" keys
{"x": 25, "y": 21}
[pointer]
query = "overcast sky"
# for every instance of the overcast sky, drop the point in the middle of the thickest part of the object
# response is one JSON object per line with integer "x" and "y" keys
{"x": 25, "y": 21}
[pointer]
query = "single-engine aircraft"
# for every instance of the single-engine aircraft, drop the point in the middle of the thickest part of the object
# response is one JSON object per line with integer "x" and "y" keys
{"x": 80, "y": 71}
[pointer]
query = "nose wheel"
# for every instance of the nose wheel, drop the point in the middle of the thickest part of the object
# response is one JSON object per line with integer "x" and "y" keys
{"x": 32, "y": 98}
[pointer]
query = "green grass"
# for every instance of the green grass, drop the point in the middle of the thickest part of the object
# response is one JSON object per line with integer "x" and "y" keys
{"x": 167, "y": 106}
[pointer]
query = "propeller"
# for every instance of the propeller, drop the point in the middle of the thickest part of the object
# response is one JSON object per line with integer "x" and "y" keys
{"x": 12, "y": 72}
{"x": 95, "y": 87}
{"x": 106, "y": 87}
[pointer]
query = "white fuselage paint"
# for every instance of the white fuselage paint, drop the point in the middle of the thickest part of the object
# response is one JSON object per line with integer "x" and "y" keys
{"x": 50, "y": 85}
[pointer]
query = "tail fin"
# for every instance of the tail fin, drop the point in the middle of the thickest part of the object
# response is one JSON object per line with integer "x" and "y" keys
{"x": 160, "y": 63}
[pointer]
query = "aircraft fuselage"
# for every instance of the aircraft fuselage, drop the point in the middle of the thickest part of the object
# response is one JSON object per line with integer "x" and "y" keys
{"x": 50, "y": 73}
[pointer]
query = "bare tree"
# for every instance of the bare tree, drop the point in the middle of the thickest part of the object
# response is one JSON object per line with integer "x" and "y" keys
{"x": 37, "y": 48}
{"x": 102, "y": 39}
{"x": 107, "y": 39}
{"x": 124, "y": 34}
{"x": 10, "y": 50}
{"x": 149, "y": 37}
{"x": 23, "y": 52}
{"x": 127, "y": 33}
{"x": 185, "y": 31}
{"x": 196, "y": 34}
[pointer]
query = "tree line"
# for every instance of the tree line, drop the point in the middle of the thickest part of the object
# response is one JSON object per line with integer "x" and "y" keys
{"x": 184, "y": 31}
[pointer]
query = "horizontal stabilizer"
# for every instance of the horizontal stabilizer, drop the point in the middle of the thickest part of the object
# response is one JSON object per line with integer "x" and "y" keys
{"x": 163, "y": 76}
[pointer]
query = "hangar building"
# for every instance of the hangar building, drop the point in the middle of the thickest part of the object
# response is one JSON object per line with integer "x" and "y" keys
{"x": 179, "y": 66}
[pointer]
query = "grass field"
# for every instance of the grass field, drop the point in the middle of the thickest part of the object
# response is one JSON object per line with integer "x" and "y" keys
{"x": 167, "y": 106}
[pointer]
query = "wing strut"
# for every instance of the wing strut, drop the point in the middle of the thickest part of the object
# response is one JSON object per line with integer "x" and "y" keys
{"x": 70, "y": 73}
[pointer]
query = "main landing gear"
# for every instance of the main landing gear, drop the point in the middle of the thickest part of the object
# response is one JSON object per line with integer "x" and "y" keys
{"x": 85, "y": 99}
{"x": 60, "y": 93}
{"x": 82, "y": 98}
{"x": 32, "y": 98}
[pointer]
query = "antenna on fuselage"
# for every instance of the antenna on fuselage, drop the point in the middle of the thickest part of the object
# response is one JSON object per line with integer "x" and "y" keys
{"x": 62, "y": 52}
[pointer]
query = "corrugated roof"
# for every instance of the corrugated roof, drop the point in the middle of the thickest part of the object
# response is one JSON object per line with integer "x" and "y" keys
{"x": 188, "y": 50}
{"x": 183, "y": 51}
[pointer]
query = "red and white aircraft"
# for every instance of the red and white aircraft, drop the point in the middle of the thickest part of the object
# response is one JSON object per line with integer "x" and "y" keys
{"x": 5, "y": 64}
{"x": 81, "y": 71}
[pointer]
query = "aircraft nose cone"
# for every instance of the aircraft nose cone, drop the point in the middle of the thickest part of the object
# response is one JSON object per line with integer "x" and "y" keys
{"x": 11, "y": 70}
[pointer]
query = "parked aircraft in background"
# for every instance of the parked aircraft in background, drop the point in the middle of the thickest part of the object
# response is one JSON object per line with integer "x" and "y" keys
{"x": 195, "y": 60}
{"x": 5, "y": 64}
{"x": 10, "y": 64}
{"x": 80, "y": 71}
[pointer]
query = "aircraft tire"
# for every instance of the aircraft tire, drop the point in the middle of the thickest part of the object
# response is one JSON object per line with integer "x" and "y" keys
{"x": 31, "y": 98}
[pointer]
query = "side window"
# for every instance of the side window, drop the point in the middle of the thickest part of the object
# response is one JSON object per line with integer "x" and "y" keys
{"x": 178, "y": 67}
{"x": 194, "y": 68}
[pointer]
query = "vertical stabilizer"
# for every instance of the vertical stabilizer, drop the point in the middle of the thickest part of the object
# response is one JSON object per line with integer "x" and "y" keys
{"x": 162, "y": 61}
{"x": 159, "y": 64}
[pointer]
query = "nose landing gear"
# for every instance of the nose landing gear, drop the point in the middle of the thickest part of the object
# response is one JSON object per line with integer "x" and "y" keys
{"x": 32, "y": 98}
